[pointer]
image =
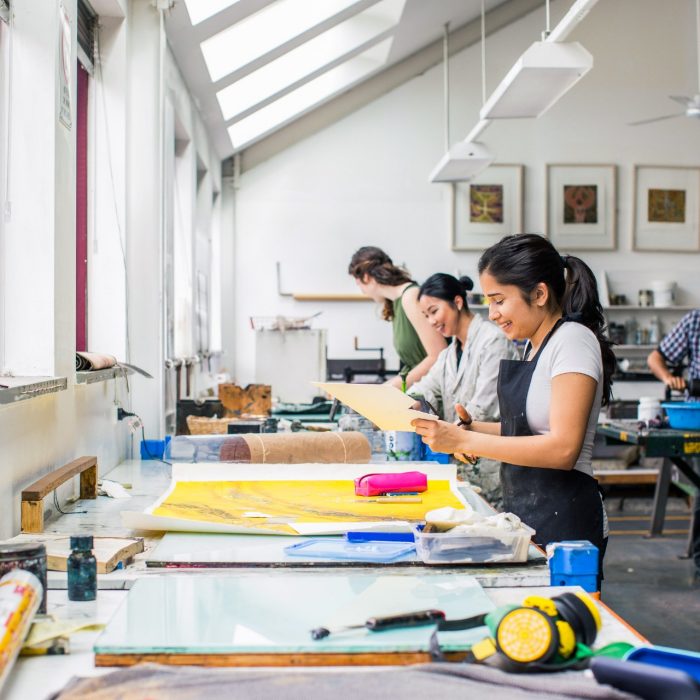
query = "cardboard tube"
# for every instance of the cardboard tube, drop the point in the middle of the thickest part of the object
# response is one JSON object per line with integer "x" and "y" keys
{"x": 296, "y": 448}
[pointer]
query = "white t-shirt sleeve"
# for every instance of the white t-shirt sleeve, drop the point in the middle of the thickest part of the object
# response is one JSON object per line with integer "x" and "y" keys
{"x": 574, "y": 348}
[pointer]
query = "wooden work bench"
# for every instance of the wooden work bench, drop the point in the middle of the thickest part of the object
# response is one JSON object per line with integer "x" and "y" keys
{"x": 40, "y": 676}
{"x": 150, "y": 479}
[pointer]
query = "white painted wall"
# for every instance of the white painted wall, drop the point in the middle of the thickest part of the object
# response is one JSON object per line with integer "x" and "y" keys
{"x": 38, "y": 243}
{"x": 364, "y": 181}
{"x": 39, "y": 281}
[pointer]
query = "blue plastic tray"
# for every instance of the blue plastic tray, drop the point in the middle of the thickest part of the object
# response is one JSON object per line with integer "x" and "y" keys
{"x": 678, "y": 659}
{"x": 683, "y": 415}
{"x": 340, "y": 548}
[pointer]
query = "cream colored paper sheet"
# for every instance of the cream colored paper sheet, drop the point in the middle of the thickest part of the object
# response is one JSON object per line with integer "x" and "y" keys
{"x": 385, "y": 405}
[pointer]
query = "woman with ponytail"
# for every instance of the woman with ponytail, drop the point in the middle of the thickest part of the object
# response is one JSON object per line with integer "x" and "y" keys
{"x": 466, "y": 371}
{"x": 550, "y": 400}
{"x": 415, "y": 342}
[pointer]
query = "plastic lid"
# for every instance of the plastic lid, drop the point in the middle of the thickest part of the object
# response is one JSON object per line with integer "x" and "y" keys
{"x": 21, "y": 551}
{"x": 81, "y": 542}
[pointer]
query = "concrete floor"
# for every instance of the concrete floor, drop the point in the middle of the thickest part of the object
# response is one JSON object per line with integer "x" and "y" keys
{"x": 647, "y": 583}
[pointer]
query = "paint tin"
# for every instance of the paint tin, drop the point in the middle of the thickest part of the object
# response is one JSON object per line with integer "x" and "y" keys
{"x": 30, "y": 556}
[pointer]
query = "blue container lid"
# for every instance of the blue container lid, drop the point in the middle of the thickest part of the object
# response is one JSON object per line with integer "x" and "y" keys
{"x": 667, "y": 657}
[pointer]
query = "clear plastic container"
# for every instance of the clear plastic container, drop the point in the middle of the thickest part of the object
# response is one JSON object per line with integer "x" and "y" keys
{"x": 479, "y": 545}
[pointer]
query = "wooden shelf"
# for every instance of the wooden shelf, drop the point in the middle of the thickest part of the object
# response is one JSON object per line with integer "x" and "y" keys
{"x": 651, "y": 309}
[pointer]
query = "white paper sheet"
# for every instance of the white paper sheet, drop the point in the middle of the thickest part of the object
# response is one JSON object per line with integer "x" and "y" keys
{"x": 385, "y": 405}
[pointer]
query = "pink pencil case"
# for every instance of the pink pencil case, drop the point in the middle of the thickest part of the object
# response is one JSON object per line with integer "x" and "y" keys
{"x": 378, "y": 484}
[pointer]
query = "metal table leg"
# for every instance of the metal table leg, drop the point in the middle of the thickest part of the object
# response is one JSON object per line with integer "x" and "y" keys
{"x": 660, "y": 499}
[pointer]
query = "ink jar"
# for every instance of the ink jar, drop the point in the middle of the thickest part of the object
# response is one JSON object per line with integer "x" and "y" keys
{"x": 82, "y": 569}
{"x": 29, "y": 556}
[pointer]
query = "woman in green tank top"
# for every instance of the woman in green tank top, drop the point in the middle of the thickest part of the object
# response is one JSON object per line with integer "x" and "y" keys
{"x": 416, "y": 343}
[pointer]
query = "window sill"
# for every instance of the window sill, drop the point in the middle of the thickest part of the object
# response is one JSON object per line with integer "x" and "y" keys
{"x": 101, "y": 375}
{"x": 22, "y": 388}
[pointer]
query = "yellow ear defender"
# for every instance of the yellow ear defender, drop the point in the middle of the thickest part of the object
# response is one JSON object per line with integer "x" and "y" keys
{"x": 541, "y": 631}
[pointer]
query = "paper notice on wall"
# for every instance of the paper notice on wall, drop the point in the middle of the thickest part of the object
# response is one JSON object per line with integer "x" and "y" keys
{"x": 65, "y": 72}
{"x": 385, "y": 405}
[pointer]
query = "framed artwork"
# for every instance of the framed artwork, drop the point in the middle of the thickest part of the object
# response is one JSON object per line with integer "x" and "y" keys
{"x": 580, "y": 207}
{"x": 488, "y": 207}
{"x": 666, "y": 209}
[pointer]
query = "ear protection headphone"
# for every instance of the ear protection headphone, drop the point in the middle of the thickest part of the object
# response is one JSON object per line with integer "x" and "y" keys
{"x": 542, "y": 633}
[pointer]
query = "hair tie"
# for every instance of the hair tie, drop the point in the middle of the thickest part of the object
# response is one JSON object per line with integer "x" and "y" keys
{"x": 575, "y": 316}
{"x": 564, "y": 260}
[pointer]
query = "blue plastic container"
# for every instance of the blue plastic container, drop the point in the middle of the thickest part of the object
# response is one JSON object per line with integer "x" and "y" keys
{"x": 573, "y": 563}
{"x": 154, "y": 449}
{"x": 667, "y": 657}
{"x": 683, "y": 415}
{"x": 429, "y": 456}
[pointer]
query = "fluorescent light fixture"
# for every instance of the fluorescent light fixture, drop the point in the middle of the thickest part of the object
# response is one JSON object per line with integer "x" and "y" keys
{"x": 308, "y": 58}
{"x": 199, "y": 10}
{"x": 463, "y": 161}
{"x": 308, "y": 95}
{"x": 264, "y": 31}
{"x": 545, "y": 72}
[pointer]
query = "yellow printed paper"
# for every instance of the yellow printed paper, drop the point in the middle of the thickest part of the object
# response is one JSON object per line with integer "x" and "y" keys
{"x": 299, "y": 501}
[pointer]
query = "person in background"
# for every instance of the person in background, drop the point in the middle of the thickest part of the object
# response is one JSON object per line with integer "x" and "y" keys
{"x": 416, "y": 342}
{"x": 466, "y": 371}
{"x": 550, "y": 400}
{"x": 682, "y": 342}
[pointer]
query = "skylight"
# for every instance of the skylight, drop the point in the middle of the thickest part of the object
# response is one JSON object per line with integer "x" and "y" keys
{"x": 308, "y": 95}
{"x": 309, "y": 57}
{"x": 264, "y": 31}
{"x": 199, "y": 10}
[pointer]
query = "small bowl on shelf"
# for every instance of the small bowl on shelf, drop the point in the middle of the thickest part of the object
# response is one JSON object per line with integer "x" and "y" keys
{"x": 683, "y": 415}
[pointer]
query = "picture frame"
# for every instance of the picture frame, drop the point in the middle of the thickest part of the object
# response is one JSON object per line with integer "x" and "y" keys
{"x": 580, "y": 206}
{"x": 488, "y": 207}
{"x": 666, "y": 208}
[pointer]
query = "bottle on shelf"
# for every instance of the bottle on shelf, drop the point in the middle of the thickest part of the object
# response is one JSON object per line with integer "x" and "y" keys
{"x": 654, "y": 330}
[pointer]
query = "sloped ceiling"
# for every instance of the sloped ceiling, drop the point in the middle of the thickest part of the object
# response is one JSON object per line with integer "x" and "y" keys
{"x": 416, "y": 45}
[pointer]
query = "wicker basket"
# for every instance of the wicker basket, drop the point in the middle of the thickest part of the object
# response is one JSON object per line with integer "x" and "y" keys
{"x": 201, "y": 425}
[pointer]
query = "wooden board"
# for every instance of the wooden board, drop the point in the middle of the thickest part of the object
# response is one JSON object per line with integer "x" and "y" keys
{"x": 109, "y": 551}
{"x": 253, "y": 400}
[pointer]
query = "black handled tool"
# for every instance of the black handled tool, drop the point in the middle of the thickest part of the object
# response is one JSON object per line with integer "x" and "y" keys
{"x": 379, "y": 624}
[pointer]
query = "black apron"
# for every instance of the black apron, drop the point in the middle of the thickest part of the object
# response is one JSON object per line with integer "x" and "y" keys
{"x": 559, "y": 504}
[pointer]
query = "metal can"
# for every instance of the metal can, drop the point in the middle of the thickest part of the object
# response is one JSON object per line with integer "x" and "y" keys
{"x": 646, "y": 297}
{"x": 30, "y": 556}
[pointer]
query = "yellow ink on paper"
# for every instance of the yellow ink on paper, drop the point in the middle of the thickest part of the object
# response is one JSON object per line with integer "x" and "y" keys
{"x": 299, "y": 501}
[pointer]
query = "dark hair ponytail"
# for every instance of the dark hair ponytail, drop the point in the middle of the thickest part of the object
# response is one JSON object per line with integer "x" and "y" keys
{"x": 527, "y": 259}
{"x": 446, "y": 287}
{"x": 374, "y": 262}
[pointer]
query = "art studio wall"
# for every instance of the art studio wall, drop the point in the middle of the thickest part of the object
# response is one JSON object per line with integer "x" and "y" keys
{"x": 364, "y": 179}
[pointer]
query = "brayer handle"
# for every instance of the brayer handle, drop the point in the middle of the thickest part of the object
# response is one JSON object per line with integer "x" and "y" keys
{"x": 412, "y": 619}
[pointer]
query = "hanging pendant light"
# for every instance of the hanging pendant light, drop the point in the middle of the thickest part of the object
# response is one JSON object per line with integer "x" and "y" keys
{"x": 466, "y": 159}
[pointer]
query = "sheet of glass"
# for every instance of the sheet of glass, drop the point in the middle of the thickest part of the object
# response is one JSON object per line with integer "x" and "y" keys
{"x": 249, "y": 613}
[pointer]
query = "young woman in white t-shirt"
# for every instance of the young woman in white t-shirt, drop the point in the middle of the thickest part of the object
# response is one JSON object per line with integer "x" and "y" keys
{"x": 550, "y": 400}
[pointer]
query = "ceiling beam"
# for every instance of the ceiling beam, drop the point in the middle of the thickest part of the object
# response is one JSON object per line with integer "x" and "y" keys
{"x": 380, "y": 84}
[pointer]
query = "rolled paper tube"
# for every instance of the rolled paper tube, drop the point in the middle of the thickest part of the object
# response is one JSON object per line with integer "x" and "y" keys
{"x": 296, "y": 448}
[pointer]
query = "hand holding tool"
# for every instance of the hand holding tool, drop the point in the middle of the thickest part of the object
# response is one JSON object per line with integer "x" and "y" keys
{"x": 465, "y": 420}
{"x": 379, "y": 624}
